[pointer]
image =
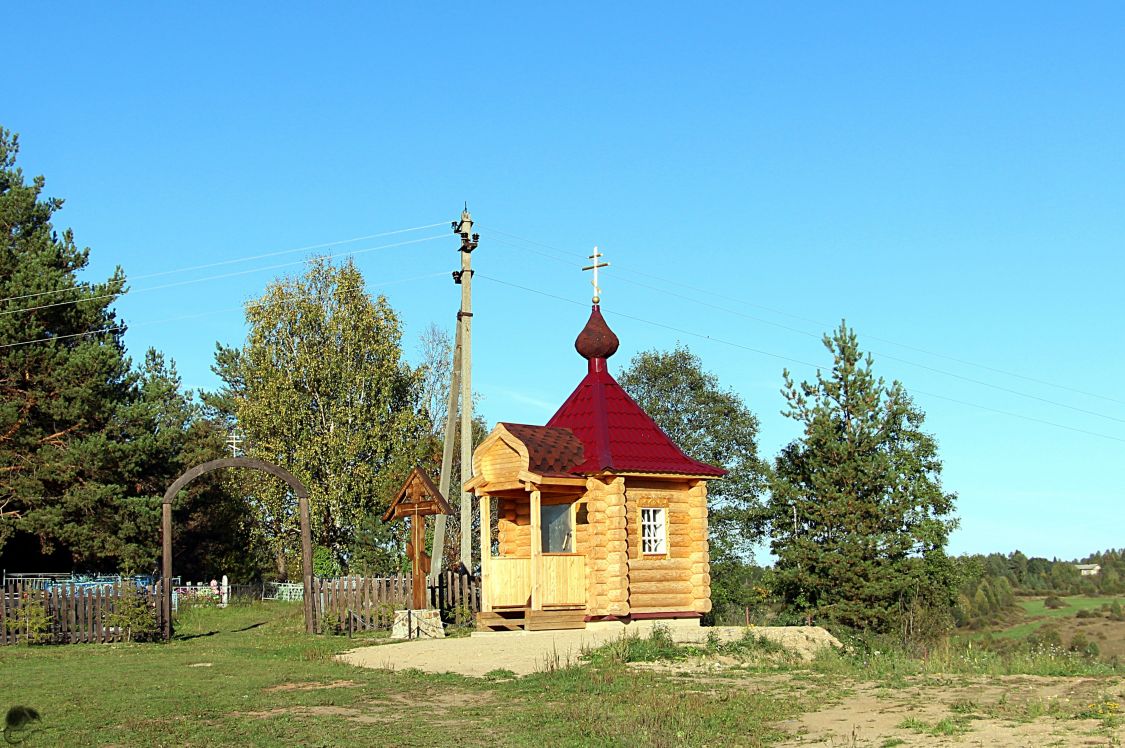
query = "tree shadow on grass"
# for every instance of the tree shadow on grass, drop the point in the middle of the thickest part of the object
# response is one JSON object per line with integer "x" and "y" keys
{"x": 187, "y": 637}
{"x": 250, "y": 626}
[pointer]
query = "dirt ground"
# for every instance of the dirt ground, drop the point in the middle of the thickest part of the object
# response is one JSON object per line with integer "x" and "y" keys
{"x": 1003, "y": 711}
{"x": 525, "y": 652}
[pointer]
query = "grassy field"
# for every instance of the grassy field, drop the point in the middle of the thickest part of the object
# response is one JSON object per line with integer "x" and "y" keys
{"x": 1036, "y": 614}
{"x": 250, "y": 676}
{"x": 1075, "y": 603}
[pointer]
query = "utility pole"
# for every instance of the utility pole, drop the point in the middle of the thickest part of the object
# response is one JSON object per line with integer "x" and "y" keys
{"x": 461, "y": 379}
{"x": 438, "y": 555}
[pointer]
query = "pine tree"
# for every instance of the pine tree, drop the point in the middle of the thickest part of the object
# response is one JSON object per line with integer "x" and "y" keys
{"x": 858, "y": 515}
{"x": 88, "y": 444}
{"x": 62, "y": 370}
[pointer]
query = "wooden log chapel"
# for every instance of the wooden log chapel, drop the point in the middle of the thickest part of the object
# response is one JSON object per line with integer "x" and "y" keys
{"x": 601, "y": 516}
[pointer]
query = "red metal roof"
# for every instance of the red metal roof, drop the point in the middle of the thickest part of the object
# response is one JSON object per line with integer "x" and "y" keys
{"x": 617, "y": 435}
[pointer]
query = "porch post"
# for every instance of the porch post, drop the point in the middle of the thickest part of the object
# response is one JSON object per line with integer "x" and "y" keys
{"x": 536, "y": 551}
{"x": 485, "y": 550}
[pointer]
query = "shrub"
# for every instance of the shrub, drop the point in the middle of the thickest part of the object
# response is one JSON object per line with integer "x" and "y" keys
{"x": 1045, "y": 638}
{"x": 1085, "y": 613}
{"x": 134, "y": 615}
{"x": 331, "y": 622}
{"x": 31, "y": 622}
{"x": 463, "y": 615}
{"x": 1054, "y": 603}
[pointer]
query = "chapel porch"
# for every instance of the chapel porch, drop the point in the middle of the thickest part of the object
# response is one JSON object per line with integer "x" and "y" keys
{"x": 537, "y": 580}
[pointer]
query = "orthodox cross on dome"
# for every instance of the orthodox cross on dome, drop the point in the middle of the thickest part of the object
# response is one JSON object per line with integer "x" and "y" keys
{"x": 596, "y": 257}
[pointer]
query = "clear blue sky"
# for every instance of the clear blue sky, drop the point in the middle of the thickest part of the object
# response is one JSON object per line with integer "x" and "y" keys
{"x": 949, "y": 178}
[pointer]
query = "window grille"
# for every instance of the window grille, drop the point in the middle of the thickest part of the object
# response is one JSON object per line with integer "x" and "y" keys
{"x": 653, "y": 530}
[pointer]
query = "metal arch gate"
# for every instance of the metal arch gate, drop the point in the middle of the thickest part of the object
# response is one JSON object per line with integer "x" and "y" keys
{"x": 299, "y": 490}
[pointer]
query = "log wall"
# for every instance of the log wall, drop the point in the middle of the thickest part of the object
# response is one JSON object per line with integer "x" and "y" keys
{"x": 700, "y": 553}
{"x": 662, "y": 582}
{"x": 594, "y": 545}
{"x": 514, "y": 527}
{"x": 617, "y": 549}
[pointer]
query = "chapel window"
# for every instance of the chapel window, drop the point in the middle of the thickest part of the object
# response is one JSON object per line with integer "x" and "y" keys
{"x": 558, "y": 534}
{"x": 654, "y": 533}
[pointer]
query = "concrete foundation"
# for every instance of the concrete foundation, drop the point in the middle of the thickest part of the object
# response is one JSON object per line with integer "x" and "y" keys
{"x": 418, "y": 624}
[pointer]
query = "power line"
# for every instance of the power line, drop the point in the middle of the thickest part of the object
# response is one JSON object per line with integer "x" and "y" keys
{"x": 1018, "y": 415}
{"x": 657, "y": 277}
{"x": 232, "y": 261}
{"x": 214, "y": 277}
{"x": 699, "y": 302}
{"x": 208, "y": 313}
{"x": 797, "y": 361}
{"x": 955, "y": 359}
{"x": 655, "y": 323}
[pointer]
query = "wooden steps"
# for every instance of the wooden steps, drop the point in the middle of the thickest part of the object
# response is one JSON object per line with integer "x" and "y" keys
{"x": 516, "y": 619}
{"x": 500, "y": 621}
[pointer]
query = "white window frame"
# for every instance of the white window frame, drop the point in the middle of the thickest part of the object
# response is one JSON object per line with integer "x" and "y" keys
{"x": 654, "y": 530}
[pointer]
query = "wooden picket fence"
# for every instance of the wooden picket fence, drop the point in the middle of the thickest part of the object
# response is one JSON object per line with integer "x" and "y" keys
{"x": 76, "y": 613}
{"x": 365, "y": 603}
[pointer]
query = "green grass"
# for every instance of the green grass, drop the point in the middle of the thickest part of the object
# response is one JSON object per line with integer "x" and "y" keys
{"x": 229, "y": 676}
{"x": 1073, "y": 605}
{"x": 250, "y": 676}
{"x": 958, "y": 657}
{"x": 943, "y": 727}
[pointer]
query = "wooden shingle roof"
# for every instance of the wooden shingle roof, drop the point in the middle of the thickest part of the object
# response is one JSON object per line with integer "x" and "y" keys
{"x": 550, "y": 451}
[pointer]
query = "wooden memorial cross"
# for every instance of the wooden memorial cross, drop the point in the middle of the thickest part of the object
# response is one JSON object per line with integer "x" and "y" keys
{"x": 417, "y": 499}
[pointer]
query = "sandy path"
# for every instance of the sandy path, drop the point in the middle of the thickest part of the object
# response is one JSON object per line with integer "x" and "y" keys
{"x": 525, "y": 652}
{"x": 518, "y": 651}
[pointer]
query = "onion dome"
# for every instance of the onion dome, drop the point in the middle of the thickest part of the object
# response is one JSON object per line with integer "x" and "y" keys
{"x": 617, "y": 436}
{"x": 596, "y": 341}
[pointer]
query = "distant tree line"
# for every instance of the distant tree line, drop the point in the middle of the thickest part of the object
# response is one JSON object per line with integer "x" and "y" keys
{"x": 994, "y": 582}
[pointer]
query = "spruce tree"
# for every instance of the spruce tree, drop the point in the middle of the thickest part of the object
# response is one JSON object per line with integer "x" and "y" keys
{"x": 859, "y": 518}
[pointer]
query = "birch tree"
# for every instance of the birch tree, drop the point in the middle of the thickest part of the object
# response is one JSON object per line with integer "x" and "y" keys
{"x": 320, "y": 387}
